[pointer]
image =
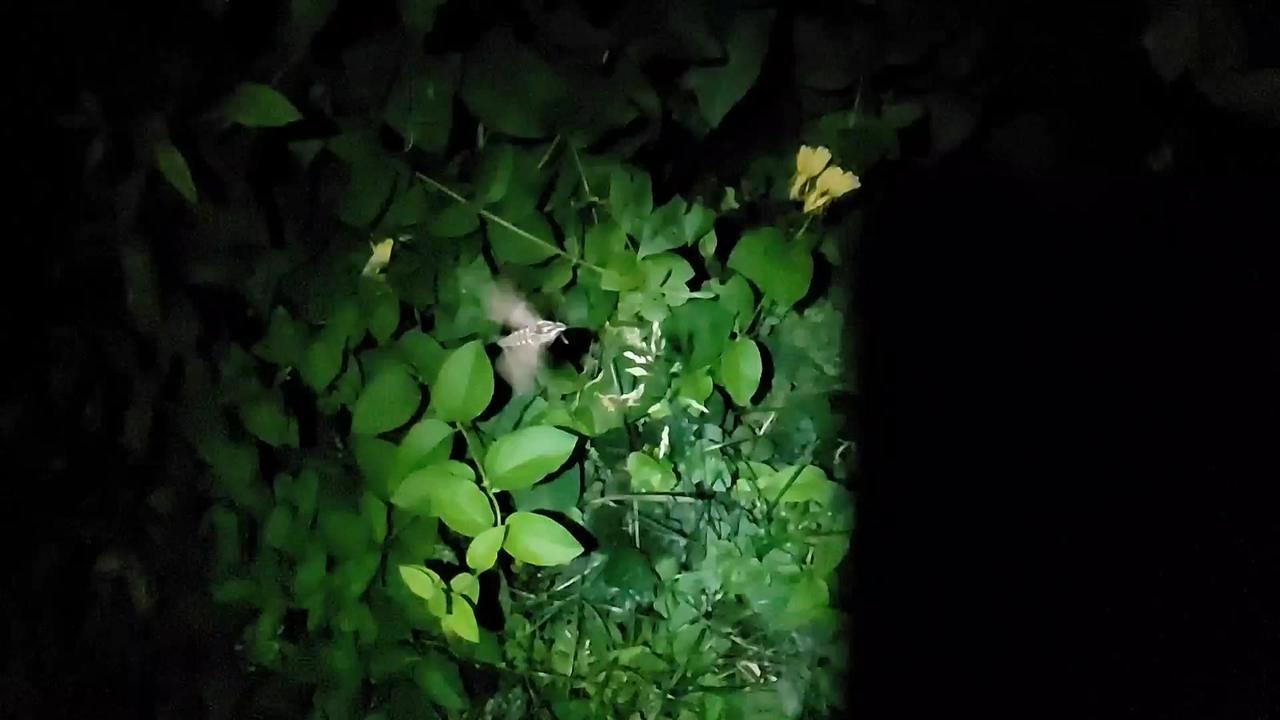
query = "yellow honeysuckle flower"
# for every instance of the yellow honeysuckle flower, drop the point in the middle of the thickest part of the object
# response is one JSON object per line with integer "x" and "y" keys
{"x": 831, "y": 184}
{"x": 380, "y": 257}
{"x": 809, "y": 162}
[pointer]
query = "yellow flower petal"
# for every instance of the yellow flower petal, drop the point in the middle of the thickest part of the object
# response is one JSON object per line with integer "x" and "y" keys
{"x": 810, "y": 161}
{"x": 836, "y": 182}
{"x": 815, "y": 201}
{"x": 380, "y": 257}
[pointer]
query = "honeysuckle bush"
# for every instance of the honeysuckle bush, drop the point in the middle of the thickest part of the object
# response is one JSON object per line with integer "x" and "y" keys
{"x": 655, "y": 530}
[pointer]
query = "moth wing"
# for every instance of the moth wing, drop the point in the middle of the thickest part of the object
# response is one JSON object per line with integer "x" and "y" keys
{"x": 508, "y": 308}
{"x": 519, "y": 366}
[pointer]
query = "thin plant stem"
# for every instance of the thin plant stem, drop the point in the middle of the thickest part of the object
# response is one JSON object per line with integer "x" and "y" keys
{"x": 507, "y": 224}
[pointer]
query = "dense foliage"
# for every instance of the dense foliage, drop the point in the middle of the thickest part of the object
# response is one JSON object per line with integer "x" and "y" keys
{"x": 655, "y": 530}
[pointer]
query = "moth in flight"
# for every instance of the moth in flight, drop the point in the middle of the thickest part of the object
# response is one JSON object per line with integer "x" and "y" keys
{"x": 522, "y": 349}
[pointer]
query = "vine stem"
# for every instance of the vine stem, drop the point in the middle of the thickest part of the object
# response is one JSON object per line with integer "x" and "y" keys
{"x": 484, "y": 481}
{"x": 507, "y": 224}
{"x": 643, "y": 497}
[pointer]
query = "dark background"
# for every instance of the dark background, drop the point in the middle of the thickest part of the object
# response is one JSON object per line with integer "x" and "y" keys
{"x": 1069, "y": 356}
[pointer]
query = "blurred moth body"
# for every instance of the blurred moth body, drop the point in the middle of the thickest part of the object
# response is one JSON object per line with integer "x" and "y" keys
{"x": 521, "y": 349}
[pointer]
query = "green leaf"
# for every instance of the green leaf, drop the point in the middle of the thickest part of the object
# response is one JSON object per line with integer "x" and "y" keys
{"x": 346, "y": 534}
{"x": 375, "y": 512}
{"x": 718, "y": 89}
{"x": 173, "y": 167}
{"x": 423, "y": 353}
{"x": 736, "y": 296}
{"x": 381, "y": 308}
{"x": 629, "y": 570}
{"x": 464, "y": 386}
{"x": 483, "y": 551}
{"x": 520, "y": 459}
{"x": 466, "y": 584}
{"x": 674, "y": 225}
{"x": 448, "y": 491}
{"x": 421, "y": 581}
{"x": 650, "y": 475}
{"x": 427, "y": 442}
{"x": 699, "y": 331}
{"x": 285, "y": 341}
{"x": 511, "y": 89}
{"x": 630, "y": 199}
{"x": 321, "y": 361}
{"x": 603, "y": 241}
{"x": 420, "y": 107}
{"x": 539, "y": 540}
{"x": 782, "y": 271}
{"x": 560, "y": 495}
{"x": 516, "y": 248}
{"x": 438, "y": 677}
{"x": 416, "y": 492}
{"x": 387, "y": 402}
{"x": 257, "y": 105}
{"x": 278, "y": 525}
{"x": 461, "y": 620}
{"x": 376, "y": 459}
{"x": 694, "y": 384}
{"x": 266, "y": 419}
{"x": 494, "y": 173}
{"x": 740, "y": 370}
{"x": 812, "y": 484}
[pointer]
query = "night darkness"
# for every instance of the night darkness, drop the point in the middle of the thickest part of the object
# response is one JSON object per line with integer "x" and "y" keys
{"x": 1068, "y": 353}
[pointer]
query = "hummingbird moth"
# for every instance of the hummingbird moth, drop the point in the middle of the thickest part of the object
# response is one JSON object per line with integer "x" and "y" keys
{"x": 523, "y": 347}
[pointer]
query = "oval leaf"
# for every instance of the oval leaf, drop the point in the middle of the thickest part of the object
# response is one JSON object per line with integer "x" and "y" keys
{"x": 539, "y": 540}
{"x": 781, "y": 270}
{"x": 257, "y": 105}
{"x": 520, "y": 459}
{"x": 422, "y": 581}
{"x": 438, "y": 677}
{"x": 740, "y": 370}
{"x": 648, "y": 474}
{"x": 426, "y": 443}
{"x": 454, "y": 497}
{"x": 464, "y": 386}
{"x": 483, "y": 551}
{"x": 461, "y": 621}
{"x": 386, "y": 403}
{"x": 174, "y": 168}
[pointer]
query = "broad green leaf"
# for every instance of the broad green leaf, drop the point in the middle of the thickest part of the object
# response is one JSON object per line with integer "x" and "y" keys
{"x": 464, "y": 583}
{"x": 695, "y": 385}
{"x": 810, "y": 484}
{"x": 482, "y": 553}
{"x": 539, "y": 540}
{"x": 416, "y": 492}
{"x": 511, "y": 89}
{"x": 629, "y": 570}
{"x": 520, "y": 459}
{"x": 285, "y": 341}
{"x": 736, "y": 296}
{"x": 420, "y": 107}
{"x": 630, "y": 199}
{"x": 648, "y": 474}
{"x": 719, "y": 88}
{"x": 438, "y": 677}
{"x": 674, "y": 225}
{"x": 423, "y": 353}
{"x": 353, "y": 576}
{"x": 780, "y": 269}
{"x": 372, "y": 183}
{"x": 375, "y": 512}
{"x": 257, "y": 105}
{"x": 516, "y": 248}
{"x": 461, "y": 620}
{"x": 321, "y": 361}
{"x": 173, "y": 167}
{"x": 494, "y": 173}
{"x": 376, "y": 459}
{"x": 429, "y": 441}
{"x": 740, "y": 370}
{"x": 699, "y": 331}
{"x": 560, "y": 495}
{"x": 309, "y": 577}
{"x": 278, "y": 525}
{"x": 346, "y": 534}
{"x": 464, "y": 386}
{"x": 265, "y": 418}
{"x": 448, "y": 491}
{"x": 452, "y": 219}
{"x": 603, "y": 241}
{"x": 422, "y": 581}
{"x": 387, "y": 402}
{"x": 381, "y": 308}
